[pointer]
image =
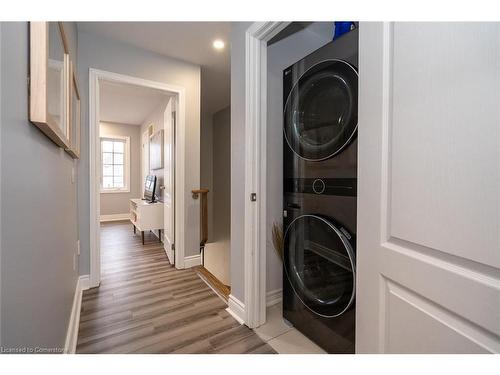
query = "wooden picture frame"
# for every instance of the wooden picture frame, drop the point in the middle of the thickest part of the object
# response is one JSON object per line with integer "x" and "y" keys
{"x": 49, "y": 80}
{"x": 74, "y": 115}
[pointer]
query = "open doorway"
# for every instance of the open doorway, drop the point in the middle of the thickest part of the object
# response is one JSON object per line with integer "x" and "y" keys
{"x": 133, "y": 165}
{"x": 216, "y": 177}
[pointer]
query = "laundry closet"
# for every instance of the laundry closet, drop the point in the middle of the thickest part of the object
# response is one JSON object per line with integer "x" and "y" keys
{"x": 312, "y": 173}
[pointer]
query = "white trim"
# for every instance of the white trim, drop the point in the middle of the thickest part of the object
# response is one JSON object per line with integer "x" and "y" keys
{"x": 127, "y": 164}
{"x": 168, "y": 251}
{"x": 74, "y": 321}
{"x": 114, "y": 217}
{"x": 255, "y": 244}
{"x": 1, "y": 209}
{"x": 192, "y": 261}
{"x": 114, "y": 191}
{"x": 236, "y": 309}
{"x": 95, "y": 76}
{"x": 274, "y": 297}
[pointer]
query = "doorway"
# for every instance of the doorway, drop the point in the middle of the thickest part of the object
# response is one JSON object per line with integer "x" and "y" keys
{"x": 173, "y": 174}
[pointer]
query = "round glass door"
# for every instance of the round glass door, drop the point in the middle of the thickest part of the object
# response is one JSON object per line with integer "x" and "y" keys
{"x": 320, "y": 265}
{"x": 321, "y": 111}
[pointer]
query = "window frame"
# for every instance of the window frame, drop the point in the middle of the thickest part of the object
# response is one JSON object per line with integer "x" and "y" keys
{"x": 126, "y": 164}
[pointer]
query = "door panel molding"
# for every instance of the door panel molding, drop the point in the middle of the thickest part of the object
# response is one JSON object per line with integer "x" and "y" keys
{"x": 458, "y": 289}
{"x": 470, "y": 337}
{"x": 414, "y": 285}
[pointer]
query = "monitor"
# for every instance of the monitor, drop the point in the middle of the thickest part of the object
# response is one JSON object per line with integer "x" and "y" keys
{"x": 150, "y": 188}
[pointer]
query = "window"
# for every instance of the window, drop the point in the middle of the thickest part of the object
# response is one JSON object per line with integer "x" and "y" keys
{"x": 115, "y": 164}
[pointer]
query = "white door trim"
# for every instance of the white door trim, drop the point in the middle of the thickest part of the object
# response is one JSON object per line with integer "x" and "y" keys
{"x": 255, "y": 243}
{"x": 95, "y": 76}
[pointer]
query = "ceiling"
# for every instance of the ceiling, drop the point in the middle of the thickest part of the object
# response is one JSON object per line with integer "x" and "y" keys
{"x": 127, "y": 104}
{"x": 188, "y": 41}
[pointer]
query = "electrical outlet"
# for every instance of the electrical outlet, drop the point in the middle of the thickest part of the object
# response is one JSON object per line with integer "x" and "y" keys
{"x": 78, "y": 247}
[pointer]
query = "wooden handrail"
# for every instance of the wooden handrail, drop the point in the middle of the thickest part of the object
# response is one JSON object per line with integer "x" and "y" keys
{"x": 200, "y": 191}
{"x": 203, "y": 215}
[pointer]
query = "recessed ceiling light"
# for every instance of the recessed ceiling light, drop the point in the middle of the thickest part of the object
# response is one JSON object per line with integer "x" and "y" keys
{"x": 218, "y": 44}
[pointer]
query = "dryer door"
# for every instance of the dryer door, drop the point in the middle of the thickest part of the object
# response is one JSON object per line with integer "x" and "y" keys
{"x": 321, "y": 111}
{"x": 319, "y": 263}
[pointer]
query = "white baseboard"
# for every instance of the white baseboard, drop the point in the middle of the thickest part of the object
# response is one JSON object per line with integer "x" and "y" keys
{"x": 236, "y": 309}
{"x": 274, "y": 297}
{"x": 168, "y": 250}
{"x": 74, "y": 320}
{"x": 114, "y": 217}
{"x": 192, "y": 261}
{"x": 84, "y": 282}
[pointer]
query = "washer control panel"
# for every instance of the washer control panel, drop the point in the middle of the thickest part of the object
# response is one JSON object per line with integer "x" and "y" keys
{"x": 322, "y": 186}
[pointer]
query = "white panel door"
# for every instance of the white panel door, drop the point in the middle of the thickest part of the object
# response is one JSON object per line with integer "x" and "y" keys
{"x": 169, "y": 180}
{"x": 428, "y": 250}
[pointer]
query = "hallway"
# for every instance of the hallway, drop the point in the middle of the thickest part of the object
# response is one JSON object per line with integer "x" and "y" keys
{"x": 144, "y": 305}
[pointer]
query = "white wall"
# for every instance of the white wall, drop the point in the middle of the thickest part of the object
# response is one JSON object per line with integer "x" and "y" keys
{"x": 157, "y": 120}
{"x": 281, "y": 55}
{"x": 119, "y": 203}
{"x": 238, "y": 30}
{"x": 106, "y": 54}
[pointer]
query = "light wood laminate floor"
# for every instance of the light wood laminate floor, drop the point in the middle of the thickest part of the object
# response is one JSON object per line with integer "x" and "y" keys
{"x": 145, "y": 305}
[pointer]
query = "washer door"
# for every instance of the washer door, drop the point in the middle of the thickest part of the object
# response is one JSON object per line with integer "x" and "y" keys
{"x": 321, "y": 111}
{"x": 319, "y": 263}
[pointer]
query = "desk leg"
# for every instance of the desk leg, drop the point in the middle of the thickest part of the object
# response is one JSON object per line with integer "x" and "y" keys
{"x": 142, "y": 235}
{"x": 159, "y": 235}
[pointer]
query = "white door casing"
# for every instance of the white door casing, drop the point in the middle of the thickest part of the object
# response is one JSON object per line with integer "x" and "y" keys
{"x": 169, "y": 180}
{"x": 96, "y": 75}
{"x": 428, "y": 247}
{"x": 253, "y": 309}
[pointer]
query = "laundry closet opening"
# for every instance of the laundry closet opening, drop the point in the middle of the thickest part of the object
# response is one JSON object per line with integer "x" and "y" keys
{"x": 312, "y": 117}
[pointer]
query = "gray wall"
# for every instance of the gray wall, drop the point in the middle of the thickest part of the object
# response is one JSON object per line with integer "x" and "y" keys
{"x": 238, "y": 30}
{"x": 281, "y": 55}
{"x": 38, "y": 212}
{"x": 218, "y": 252}
{"x": 106, "y": 54}
{"x": 119, "y": 203}
{"x": 222, "y": 173}
{"x": 206, "y": 167}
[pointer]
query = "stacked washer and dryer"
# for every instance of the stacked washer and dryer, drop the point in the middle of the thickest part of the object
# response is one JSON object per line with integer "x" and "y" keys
{"x": 319, "y": 198}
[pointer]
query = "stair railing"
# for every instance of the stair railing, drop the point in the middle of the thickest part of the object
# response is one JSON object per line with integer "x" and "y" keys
{"x": 203, "y": 219}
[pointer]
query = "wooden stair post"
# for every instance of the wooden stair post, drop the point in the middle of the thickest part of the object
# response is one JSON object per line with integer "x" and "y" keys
{"x": 203, "y": 219}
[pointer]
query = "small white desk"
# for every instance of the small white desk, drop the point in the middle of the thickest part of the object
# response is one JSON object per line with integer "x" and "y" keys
{"x": 146, "y": 216}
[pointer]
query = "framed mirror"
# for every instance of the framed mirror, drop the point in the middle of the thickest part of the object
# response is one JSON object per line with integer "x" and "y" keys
{"x": 74, "y": 115}
{"x": 49, "y": 80}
